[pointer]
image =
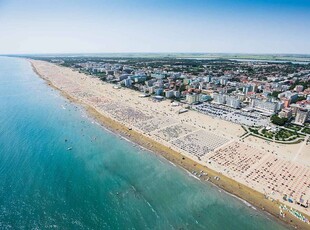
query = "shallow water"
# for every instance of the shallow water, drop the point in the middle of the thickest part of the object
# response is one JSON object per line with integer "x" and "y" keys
{"x": 104, "y": 182}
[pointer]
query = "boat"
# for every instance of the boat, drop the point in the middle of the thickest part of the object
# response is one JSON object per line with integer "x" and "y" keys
{"x": 70, "y": 148}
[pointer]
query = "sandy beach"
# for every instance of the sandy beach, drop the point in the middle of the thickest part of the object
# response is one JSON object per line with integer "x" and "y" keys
{"x": 255, "y": 170}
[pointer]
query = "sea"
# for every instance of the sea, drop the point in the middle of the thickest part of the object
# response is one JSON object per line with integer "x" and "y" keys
{"x": 60, "y": 169}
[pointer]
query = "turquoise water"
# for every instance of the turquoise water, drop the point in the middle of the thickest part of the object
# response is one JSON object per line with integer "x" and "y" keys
{"x": 104, "y": 182}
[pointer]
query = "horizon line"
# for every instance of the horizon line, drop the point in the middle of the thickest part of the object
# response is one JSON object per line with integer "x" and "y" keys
{"x": 160, "y": 52}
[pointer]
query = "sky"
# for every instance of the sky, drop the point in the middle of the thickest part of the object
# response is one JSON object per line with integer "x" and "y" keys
{"x": 107, "y": 26}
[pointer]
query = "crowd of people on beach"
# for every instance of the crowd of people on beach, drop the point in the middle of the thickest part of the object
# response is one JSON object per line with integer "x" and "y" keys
{"x": 265, "y": 171}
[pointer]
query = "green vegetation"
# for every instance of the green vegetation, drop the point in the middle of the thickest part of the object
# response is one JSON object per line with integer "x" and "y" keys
{"x": 293, "y": 127}
{"x": 284, "y": 134}
{"x": 235, "y": 79}
{"x": 305, "y": 84}
{"x": 301, "y": 98}
{"x": 275, "y": 119}
{"x": 275, "y": 93}
{"x": 254, "y": 130}
{"x": 267, "y": 134}
{"x": 306, "y": 130}
{"x": 281, "y": 135}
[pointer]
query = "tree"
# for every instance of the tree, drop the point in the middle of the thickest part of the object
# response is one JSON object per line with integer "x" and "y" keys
{"x": 182, "y": 88}
{"x": 277, "y": 120}
{"x": 301, "y": 98}
{"x": 275, "y": 93}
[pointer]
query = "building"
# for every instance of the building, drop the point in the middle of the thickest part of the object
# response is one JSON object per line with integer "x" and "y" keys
{"x": 223, "y": 81}
{"x": 286, "y": 113}
{"x": 109, "y": 72}
{"x": 159, "y": 91}
{"x": 205, "y": 97}
{"x": 169, "y": 93}
{"x": 265, "y": 106}
{"x": 280, "y": 105}
{"x": 186, "y": 81}
{"x": 128, "y": 82}
{"x": 157, "y": 76}
{"x": 247, "y": 89}
{"x": 150, "y": 83}
{"x": 294, "y": 108}
{"x": 286, "y": 102}
{"x": 289, "y": 95}
{"x": 233, "y": 102}
{"x": 159, "y": 83}
{"x": 299, "y": 88}
{"x": 201, "y": 86}
{"x": 139, "y": 78}
{"x": 301, "y": 116}
{"x": 151, "y": 89}
{"x": 208, "y": 78}
{"x": 176, "y": 93}
{"x": 192, "y": 98}
{"x": 123, "y": 77}
{"x": 241, "y": 96}
{"x": 219, "y": 98}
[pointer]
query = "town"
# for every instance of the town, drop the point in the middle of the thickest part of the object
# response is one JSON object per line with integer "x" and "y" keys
{"x": 270, "y": 100}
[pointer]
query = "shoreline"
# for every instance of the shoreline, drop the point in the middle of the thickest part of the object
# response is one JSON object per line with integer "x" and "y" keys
{"x": 230, "y": 186}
